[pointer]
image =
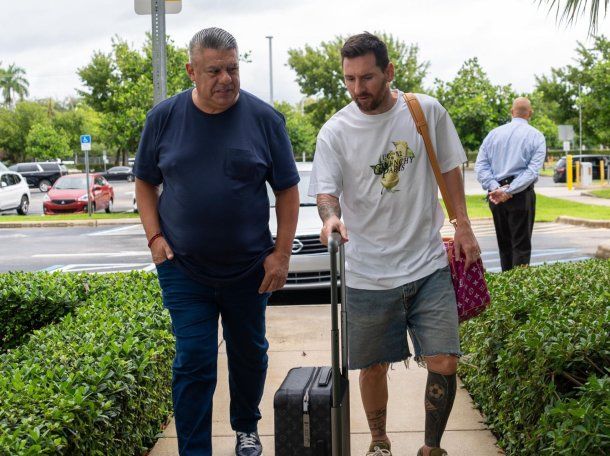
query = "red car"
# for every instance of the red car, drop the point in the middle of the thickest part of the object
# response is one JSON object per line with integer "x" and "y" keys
{"x": 69, "y": 194}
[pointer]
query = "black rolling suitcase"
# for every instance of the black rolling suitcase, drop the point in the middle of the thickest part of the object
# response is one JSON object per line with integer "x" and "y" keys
{"x": 312, "y": 404}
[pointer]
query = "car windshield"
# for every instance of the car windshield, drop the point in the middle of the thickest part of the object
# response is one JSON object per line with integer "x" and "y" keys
{"x": 2, "y": 167}
{"x": 303, "y": 187}
{"x": 71, "y": 183}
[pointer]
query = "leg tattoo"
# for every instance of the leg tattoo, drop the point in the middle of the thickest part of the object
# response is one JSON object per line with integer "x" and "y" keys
{"x": 377, "y": 422}
{"x": 440, "y": 394}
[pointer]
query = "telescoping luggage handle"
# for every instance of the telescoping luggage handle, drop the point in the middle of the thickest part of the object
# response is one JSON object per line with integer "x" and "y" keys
{"x": 339, "y": 412}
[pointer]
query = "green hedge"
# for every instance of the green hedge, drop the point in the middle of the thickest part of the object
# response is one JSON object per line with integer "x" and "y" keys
{"x": 537, "y": 361}
{"x": 29, "y": 301}
{"x": 97, "y": 382}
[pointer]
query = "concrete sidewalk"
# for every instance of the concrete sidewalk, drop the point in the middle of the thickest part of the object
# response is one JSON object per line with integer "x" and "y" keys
{"x": 300, "y": 336}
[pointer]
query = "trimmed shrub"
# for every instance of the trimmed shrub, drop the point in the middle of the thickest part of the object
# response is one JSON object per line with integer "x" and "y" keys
{"x": 540, "y": 354}
{"x": 29, "y": 301}
{"x": 96, "y": 383}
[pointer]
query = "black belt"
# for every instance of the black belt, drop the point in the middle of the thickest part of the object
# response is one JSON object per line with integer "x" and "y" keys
{"x": 506, "y": 180}
{"x": 509, "y": 179}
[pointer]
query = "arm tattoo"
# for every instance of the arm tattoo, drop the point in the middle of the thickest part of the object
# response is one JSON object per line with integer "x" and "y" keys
{"x": 377, "y": 422}
{"x": 328, "y": 206}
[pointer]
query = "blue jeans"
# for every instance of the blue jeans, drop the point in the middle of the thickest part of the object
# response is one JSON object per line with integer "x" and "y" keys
{"x": 194, "y": 309}
{"x": 378, "y": 321}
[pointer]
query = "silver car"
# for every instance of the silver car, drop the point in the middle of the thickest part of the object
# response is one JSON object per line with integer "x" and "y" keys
{"x": 309, "y": 263}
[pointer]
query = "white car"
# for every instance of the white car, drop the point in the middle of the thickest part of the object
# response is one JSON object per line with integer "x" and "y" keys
{"x": 14, "y": 191}
{"x": 310, "y": 263}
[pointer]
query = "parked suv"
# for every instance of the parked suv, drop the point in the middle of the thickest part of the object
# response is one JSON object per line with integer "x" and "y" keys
{"x": 40, "y": 174}
{"x": 560, "y": 167}
{"x": 14, "y": 192}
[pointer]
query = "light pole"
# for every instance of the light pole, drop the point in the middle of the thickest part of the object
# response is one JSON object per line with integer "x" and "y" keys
{"x": 270, "y": 71}
{"x": 579, "y": 120}
{"x": 159, "y": 56}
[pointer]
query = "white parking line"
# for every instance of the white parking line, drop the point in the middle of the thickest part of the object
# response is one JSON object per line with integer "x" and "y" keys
{"x": 101, "y": 268}
{"x": 112, "y": 230}
{"x": 92, "y": 254}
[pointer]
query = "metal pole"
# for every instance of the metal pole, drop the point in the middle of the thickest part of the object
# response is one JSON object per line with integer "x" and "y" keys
{"x": 270, "y": 38}
{"x": 87, "y": 183}
{"x": 158, "y": 51}
{"x": 579, "y": 120}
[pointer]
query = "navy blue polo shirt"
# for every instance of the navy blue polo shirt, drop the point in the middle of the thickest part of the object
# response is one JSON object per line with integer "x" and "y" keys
{"x": 214, "y": 208}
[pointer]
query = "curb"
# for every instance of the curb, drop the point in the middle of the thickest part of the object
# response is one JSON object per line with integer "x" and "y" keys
{"x": 603, "y": 251}
{"x": 68, "y": 223}
{"x": 583, "y": 222}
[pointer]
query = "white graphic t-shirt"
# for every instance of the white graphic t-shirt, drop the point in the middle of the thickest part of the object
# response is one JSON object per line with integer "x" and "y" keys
{"x": 378, "y": 168}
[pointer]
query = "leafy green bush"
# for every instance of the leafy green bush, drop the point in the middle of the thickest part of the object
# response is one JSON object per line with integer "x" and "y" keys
{"x": 29, "y": 301}
{"x": 540, "y": 354}
{"x": 96, "y": 383}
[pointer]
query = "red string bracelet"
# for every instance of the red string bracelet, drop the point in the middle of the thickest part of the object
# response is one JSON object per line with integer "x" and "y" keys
{"x": 154, "y": 238}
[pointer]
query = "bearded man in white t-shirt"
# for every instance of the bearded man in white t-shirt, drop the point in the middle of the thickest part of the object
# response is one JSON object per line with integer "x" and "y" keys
{"x": 371, "y": 169}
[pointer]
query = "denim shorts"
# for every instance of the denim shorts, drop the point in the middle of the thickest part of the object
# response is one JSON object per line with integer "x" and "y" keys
{"x": 378, "y": 321}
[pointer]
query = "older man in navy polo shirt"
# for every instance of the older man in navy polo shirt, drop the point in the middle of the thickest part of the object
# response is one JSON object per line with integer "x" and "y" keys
{"x": 214, "y": 148}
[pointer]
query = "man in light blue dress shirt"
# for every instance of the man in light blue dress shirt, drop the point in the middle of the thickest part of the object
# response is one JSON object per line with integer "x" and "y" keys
{"x": 507, "y": 166}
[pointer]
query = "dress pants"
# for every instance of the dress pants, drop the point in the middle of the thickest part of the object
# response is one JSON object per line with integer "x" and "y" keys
{"x": 514, "y": 223}
{"x": 194, "y": 309}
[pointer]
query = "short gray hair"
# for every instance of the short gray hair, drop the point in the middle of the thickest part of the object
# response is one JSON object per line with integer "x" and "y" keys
{"x": 211, "y": 38}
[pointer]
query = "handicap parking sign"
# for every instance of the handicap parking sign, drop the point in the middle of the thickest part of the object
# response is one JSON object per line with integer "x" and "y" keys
{"x": 85, "y": 142}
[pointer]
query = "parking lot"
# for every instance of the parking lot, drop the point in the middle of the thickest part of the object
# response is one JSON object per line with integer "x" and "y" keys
{"x": 123, "y": 198}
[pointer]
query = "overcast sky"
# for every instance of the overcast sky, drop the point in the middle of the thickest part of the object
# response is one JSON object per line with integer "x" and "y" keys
{"x": 513, "y": 39}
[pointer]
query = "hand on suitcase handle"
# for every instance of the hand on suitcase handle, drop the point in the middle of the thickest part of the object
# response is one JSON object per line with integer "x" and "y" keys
{"x": 333, "y": 225}
{"x": 334, "y": 241}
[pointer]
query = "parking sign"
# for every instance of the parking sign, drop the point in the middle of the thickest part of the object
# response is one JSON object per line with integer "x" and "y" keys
{"x": 85, "y": 142}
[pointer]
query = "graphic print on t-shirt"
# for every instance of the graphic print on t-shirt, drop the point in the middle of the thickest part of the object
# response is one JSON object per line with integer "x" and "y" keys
{"x": 391, "y": 163}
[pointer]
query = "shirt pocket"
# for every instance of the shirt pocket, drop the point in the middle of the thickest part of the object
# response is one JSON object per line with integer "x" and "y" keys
{"x": 243, "y": 164}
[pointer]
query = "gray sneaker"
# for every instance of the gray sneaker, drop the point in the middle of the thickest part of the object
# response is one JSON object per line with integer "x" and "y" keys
{"x": 248, "y": 444}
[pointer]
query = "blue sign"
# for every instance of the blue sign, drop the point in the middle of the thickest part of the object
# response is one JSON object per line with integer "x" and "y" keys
{"x": 85, "y": 139}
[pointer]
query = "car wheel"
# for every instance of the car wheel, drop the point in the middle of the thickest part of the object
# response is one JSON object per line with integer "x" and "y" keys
{"x": 24, "y": 206}
{"x": 109, "y": 208}
{"x": 130, "y": 178}
{"x": 44, "y": 185}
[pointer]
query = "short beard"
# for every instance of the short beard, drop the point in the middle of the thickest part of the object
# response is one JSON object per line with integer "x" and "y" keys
{"x": 374, "y": 103}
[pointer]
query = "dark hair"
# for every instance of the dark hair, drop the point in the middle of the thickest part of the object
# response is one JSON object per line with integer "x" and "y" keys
{"x": 212, "y": 38}
{"x": 362, "y": 44}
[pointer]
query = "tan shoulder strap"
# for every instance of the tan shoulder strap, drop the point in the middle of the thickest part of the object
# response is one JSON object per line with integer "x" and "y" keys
{"x": 422, "y": 128}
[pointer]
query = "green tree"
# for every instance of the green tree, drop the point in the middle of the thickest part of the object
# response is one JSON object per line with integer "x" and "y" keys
{"x": 584, "y": 85}
{"x": 476, "y": 105}
{"x": 119, "y": 87}
{"x": 81, "y": 119}
{"x": 13, "y": 82}
{"x": 320, "y": 75}
{"x": 548, "y": 128}
{"x": 570, "y": 10}
{"x": 15, "y": 125}
{"x": 301, "y": 131}
{"x": 45, "y": 143}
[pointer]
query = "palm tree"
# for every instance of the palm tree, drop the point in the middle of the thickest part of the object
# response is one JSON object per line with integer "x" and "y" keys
{"x": 13, "y": 82}
{"x": 570, "y": 10}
